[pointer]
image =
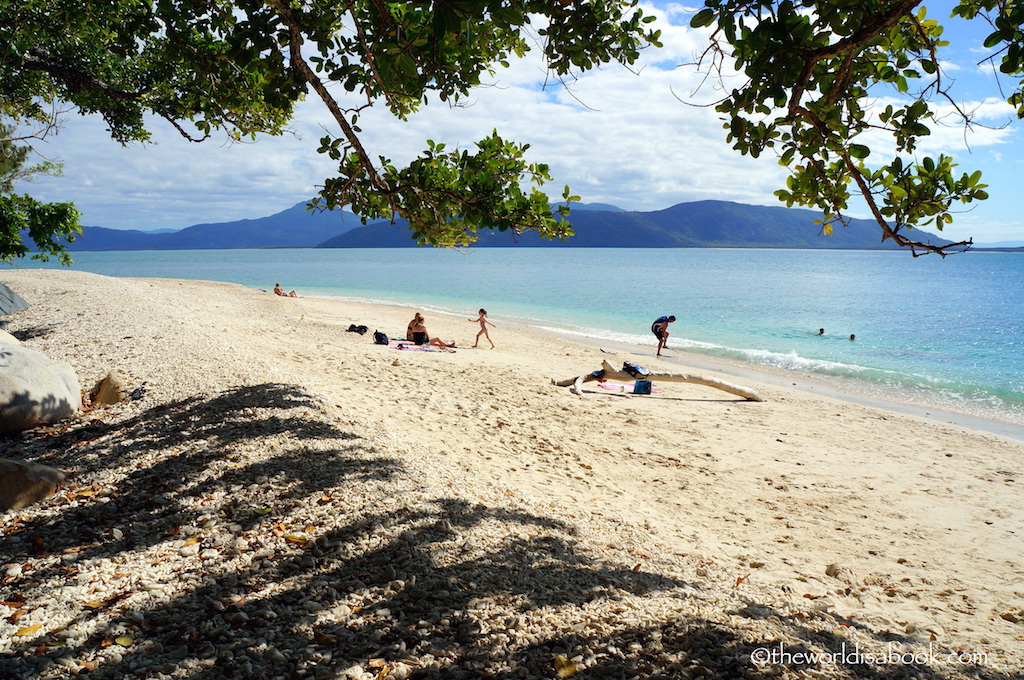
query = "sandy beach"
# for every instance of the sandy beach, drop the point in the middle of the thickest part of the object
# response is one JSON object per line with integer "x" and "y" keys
{"x": 287, "y": 499}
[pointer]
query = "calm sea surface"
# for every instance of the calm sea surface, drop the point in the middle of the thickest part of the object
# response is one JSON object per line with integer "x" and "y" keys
{"x": 948, "y": 328}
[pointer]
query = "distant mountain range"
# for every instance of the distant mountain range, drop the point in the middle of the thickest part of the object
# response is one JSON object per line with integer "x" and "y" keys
{"x": 703, "y": 224}
{"x": 295, "y": 227}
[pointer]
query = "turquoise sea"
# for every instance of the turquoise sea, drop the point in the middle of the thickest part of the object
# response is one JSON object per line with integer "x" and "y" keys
{"x": 950, "y": 329}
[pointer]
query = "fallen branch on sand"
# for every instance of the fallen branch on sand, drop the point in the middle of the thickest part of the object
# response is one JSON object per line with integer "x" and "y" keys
{"x": 609, "y": 373}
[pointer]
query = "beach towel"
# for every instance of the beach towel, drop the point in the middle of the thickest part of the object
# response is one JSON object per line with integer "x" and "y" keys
{"x": 616, "y": 387}
{"x": 407, "y": 346}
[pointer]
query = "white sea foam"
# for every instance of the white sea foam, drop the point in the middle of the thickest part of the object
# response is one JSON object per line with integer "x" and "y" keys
{"x": 794, "y": 362}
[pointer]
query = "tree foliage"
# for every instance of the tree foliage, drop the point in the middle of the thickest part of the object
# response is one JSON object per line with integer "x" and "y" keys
{"x": 819, "y": 77}
{"x": 49, "y": 225}
{"x": 240, "y": 67}
{"x": 815, "y": 74}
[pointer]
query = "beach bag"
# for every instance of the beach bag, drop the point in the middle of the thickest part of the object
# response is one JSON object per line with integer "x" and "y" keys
{"x": 634, "y": 370}
{"x": 642, "y": 387}
{"x": 380, "y": 338}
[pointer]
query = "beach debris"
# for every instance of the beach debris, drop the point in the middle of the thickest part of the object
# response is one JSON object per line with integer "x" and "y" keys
{"x": 138, "y": 393}
{"x": 633, "y": 372}
{"x": 110, "y": 390}
{"x": 35, "y": 389}
{"x": 565, "y": 667}
{"x": 844, "y": 574}
{"x": 23, "y": 483}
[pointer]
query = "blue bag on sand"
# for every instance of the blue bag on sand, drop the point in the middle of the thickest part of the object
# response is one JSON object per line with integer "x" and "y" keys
{"x": 642, "y": 387}
{"x": 634, "y": 370}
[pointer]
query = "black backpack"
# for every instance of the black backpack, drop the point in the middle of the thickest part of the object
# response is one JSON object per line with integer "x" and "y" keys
{"x": 380, "y": 338}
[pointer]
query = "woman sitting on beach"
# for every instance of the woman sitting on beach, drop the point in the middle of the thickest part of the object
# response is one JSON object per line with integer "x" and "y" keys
{"x": 417, "y": 333}
{"x": 416, "y": 321}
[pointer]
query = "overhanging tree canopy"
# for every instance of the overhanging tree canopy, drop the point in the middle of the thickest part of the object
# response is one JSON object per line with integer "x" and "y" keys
{"x": 813, "y": 74}
{"x": 240, "y": 66}
{"x": 813, "y": 70}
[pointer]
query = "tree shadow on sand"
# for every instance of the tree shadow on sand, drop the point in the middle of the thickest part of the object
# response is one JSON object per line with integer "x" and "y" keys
{"x": 32, "y": 332}
{"x": 283, "y": 546}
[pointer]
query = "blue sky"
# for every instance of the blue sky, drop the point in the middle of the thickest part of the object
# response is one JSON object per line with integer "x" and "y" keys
{"x": 631, "y": 138}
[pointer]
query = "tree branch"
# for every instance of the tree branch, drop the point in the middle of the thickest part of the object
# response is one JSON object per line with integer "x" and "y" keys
{"x": 299, "y": 63}
{"x": 75, "y": 79}
{"x": 866, "y": 32}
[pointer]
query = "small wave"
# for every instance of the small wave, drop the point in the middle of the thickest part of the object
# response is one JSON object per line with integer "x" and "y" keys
{"x": 597, "y": 334}
{"x": 794, "y": 362}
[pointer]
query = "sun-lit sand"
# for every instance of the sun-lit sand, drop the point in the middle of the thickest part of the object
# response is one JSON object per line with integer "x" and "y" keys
{"x": 886, "y": 522}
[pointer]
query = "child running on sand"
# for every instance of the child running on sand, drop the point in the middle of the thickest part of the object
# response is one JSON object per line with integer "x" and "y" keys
{"x": 482, "y": 320}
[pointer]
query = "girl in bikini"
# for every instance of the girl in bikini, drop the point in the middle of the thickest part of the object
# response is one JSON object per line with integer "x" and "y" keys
{"x": 482, "y": 320}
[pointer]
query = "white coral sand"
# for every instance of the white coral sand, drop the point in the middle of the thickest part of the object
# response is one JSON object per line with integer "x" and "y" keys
{"x": 288, "y": 499}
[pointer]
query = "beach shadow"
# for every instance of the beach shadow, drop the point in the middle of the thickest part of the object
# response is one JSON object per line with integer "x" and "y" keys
{"x": 32, "y": 332}
{"x": 150, "y": 501}
{"x": 383, "y": 583}
{"x": 407, "y": 590}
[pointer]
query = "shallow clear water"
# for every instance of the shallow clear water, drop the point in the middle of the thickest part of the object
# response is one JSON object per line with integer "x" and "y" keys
{"x": 949, "y": 328}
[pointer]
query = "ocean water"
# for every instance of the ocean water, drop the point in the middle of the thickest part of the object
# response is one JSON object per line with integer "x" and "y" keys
{"x": 947, "y": 329}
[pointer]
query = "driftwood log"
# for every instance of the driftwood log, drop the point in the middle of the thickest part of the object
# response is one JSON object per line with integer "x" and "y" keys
{"x": 607, "y": 372}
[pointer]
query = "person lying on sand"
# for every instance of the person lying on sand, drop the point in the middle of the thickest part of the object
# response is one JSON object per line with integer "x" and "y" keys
{"x": 278, "y": 291}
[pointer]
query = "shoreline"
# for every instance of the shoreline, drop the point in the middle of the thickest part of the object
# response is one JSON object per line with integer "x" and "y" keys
{"x": 843, "y": 389}
{"x": 284, "y": 492}
{"x": 990, "y": 420}
{"x": 959, "y": 402}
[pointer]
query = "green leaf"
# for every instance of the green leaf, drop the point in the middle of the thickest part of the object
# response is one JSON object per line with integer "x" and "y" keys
{"x": 859, "y": 151}
{"x": 703, "y": 18}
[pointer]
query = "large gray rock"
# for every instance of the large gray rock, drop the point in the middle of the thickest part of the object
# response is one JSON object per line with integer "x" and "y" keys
{"x": 34, "y": 389}
{"x": 24, "y": 483}
{"x": 7, "y": 337}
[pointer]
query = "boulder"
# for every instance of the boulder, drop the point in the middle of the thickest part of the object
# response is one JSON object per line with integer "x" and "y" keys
{"x": 34, "y": 389}
{"x": 7, "y": 337}
{"x": 111, "y": 390}
{"x": 24, "y": 483}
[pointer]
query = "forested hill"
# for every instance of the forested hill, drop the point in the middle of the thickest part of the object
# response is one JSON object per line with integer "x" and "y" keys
{"x": 703, "y": 224}
{"x": 295, "y": 227}
{"x": 708, "y": 224}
